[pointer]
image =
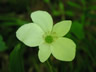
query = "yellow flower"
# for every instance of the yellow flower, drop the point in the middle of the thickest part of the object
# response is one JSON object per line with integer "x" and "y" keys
{"x": 49, "y": 38}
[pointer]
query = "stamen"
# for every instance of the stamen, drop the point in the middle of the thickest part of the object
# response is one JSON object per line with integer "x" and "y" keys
{"x": 49, "y": 39}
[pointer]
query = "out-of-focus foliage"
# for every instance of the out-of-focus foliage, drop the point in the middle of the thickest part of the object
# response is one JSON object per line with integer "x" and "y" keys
{"x": 14, "y": 13}
{"x": 16, "y": 60}
{"x": 77, "y": 29}
{"x": 2, "y": 44}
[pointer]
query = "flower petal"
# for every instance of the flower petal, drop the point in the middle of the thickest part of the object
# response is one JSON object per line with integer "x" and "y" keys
{"x": 30, "y": 34}
{"x": 64, "y": 49}
{"x": 44, "y": 52}
{"x": 43, "y": 19}
{"x": 62, "y": 28}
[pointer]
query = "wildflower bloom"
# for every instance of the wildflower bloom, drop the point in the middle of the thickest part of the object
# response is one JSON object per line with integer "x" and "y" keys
{"x": 49, "y": 38}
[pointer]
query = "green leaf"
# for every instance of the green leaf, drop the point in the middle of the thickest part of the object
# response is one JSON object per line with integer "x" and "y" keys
{"x": 77, "y": 29}
{"x": 46, "y": 1}
{"x": 61, "y": 6}
{"x": 91, "y": 15}
{"x": 9, "y": 20}
{"x": 2, "y": 44}
{"x": 73, "y": 4}
{"x": 16, "y": 59}
{"x": 55, "y": 13}
{"x": 83, "y": 2}
{"x": 69, "y": 13}
{"x": 93, "y": 7}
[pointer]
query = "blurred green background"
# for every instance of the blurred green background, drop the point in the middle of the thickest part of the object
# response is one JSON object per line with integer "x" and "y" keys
{"x": 14, "y": 13}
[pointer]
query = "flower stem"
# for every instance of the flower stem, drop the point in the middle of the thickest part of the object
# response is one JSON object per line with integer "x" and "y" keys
{"x": 50, "y": 66}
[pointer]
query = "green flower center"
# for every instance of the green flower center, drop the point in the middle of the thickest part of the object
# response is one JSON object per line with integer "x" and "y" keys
{"x": 49, "y": 39}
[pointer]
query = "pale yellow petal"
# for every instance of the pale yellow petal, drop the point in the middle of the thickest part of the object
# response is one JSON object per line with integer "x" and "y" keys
{"x": 43, "y": 19}
{"x": 30, "y": 34}
{"x": 44, "y": 52}
{"x": 62, "y": 28}
{"x": 64, "y": 49}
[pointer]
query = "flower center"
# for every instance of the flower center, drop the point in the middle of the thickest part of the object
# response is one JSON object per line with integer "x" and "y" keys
{"x": 49, "y": 39}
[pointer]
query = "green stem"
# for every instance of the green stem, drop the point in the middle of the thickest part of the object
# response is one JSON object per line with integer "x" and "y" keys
{"x": 50, "y": 66}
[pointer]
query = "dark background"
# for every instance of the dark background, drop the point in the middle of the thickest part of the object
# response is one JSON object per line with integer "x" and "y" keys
{"x": 14, "y": 13}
